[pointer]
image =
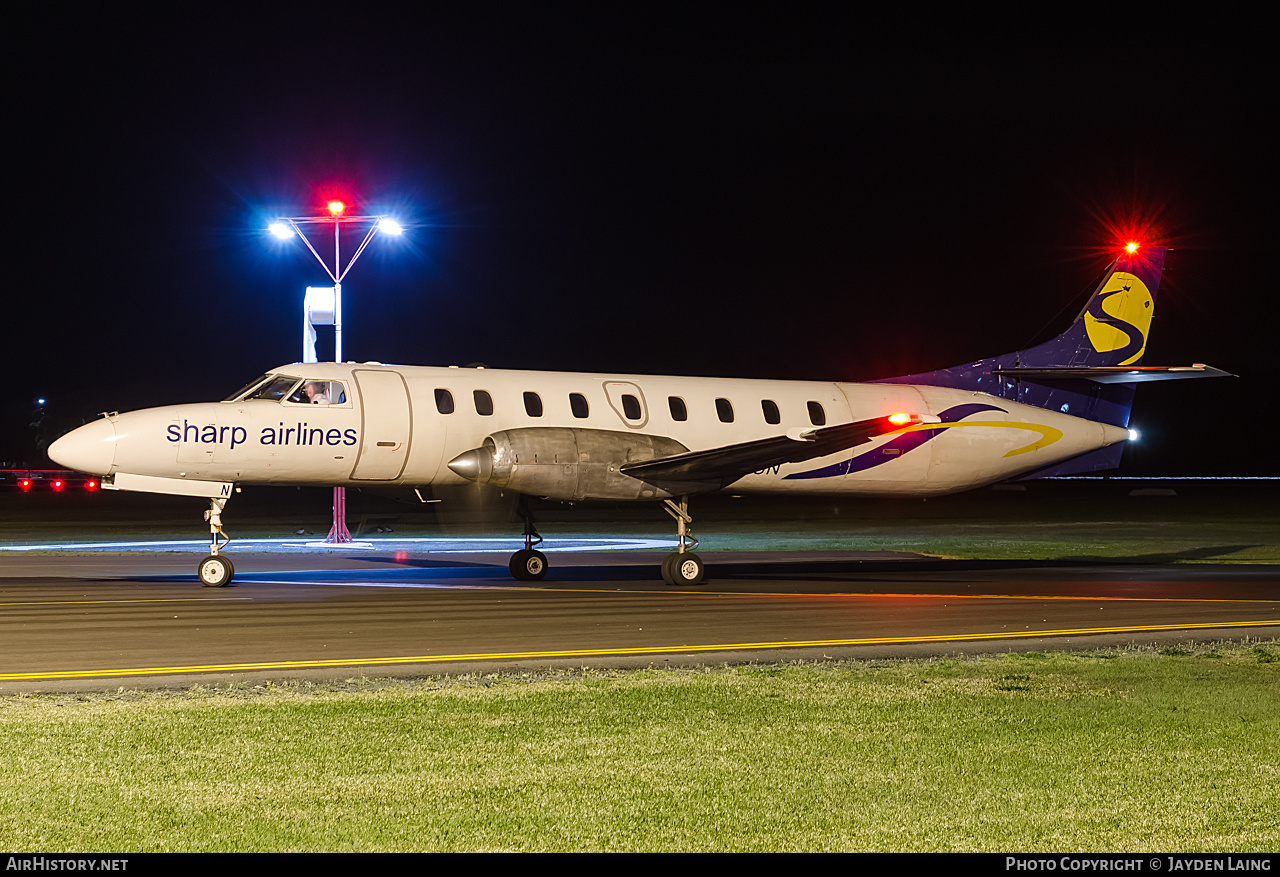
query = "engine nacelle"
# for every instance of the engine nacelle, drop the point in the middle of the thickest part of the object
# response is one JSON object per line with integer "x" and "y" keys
{"x": 565, "y": 463}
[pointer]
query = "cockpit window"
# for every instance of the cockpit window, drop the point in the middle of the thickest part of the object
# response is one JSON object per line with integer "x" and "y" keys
{"x": 275, "y": 389}
{"x": 246, "y": 388}
{"x": 316, "y": 392}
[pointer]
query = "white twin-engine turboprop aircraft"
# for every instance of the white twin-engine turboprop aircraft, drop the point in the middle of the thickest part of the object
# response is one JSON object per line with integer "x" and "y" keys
{"x": 1060, "y": 407}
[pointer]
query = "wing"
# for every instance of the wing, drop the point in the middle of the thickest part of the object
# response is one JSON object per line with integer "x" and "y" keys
{"x": 703, "y": 471}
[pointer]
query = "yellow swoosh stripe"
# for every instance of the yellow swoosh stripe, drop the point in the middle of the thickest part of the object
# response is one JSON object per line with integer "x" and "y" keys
{"x": 1048, "y": 434}
{"x": 587, "y": 653}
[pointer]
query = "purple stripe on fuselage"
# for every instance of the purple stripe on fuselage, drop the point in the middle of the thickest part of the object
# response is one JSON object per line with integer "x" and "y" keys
{"x": 903, "y": 443}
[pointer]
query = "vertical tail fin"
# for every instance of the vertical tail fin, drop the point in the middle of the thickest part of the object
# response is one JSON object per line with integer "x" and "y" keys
{"x": 1113, "y": 327}
{"x": 1112, "y": 330}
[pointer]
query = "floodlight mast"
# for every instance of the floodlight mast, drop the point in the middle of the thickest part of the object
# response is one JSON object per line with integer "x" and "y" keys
{"x": 337, "y": 210}
{"x": 376, "y": 223}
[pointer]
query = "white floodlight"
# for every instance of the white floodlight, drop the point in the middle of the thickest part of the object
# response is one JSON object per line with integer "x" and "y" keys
{"x": 280, "y": 230}
{"x": 390, "y": 226}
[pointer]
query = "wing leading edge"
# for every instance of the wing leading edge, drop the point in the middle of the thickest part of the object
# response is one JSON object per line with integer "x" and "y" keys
{"x": 703, "y": 471}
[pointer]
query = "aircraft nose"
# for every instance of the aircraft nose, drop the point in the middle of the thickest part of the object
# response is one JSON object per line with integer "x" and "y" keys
{"x": 90, "y": 448}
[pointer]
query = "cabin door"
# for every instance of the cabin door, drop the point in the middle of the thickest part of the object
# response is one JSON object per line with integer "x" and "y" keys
{"x": 386, "y": 428}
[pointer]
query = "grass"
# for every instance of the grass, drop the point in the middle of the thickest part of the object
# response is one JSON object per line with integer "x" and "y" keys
{"x": 1121, "y": 750}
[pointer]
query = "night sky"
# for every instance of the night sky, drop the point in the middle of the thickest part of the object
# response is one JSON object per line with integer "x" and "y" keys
{"x": 643, "y": 189}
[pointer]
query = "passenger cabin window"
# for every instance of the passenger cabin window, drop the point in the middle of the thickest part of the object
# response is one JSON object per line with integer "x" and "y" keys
{"x": 630, "y": 407}
{"x": 578, "y": 405}
{"x": 532, "y": 404}
{"x": 771, "y": 413}
{"x": 817, "y": 416}
{"x": 678, "y": 409}
{"x": 724, "y": 409}
{"x": 444, "y": 401}
{"x": 484, "y": 403}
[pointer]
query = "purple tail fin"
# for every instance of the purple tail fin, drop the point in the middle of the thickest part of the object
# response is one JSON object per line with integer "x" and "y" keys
{"x": 1111, "y": 331}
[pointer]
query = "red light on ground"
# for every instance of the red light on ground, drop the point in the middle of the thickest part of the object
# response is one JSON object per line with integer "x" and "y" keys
{"x": 336, "y": 208}
{"x": 57, "y": 485}
{"x": 25, "y": 484}
{"x": 91, "y": 486}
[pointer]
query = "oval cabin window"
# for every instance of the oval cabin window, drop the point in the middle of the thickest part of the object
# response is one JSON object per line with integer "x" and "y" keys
{"x": 532, "y": 404}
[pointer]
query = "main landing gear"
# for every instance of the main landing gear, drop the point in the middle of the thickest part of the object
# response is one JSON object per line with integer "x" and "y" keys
{"x": 528, "y": 565}
{"x": 682, "y": 566}
{"x": 215, "y": 570}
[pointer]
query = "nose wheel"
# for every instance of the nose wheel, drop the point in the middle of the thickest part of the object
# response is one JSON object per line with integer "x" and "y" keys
{"x": 216, "y": 571}
{"x": 528, "y": 565}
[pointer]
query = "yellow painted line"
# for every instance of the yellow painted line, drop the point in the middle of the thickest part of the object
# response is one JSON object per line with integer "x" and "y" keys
{"x": 112, "y": 602}
{"x": 1094, "y": 598}
{"x": 599, "y": 653}
{"x": 861, "y": 595}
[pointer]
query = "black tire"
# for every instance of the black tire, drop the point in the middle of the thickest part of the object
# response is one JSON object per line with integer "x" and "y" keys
{"x": 668, "y": 577}
{"x": 216, "y": 571}
{"x": 528, "y": 566}
{"x": 684, "y": 569}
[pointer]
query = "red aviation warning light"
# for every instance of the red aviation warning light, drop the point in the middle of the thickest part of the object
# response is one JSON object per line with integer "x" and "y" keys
{"x": 336, "y": 208}
{"x": 1131, "y": 247}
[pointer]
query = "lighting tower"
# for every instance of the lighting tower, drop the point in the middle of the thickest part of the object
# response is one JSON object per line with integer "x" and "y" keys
{"x": 323, "y": 305}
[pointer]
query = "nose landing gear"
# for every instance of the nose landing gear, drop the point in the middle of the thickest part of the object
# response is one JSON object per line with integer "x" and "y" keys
{"x": 215, "y": 570}
{"x": 528, "y": 565}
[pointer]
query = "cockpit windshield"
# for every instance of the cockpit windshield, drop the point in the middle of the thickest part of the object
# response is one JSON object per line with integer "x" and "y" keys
{"x": 318, "y": 392}
{"x": 275, "y": 389}
{"x": 239, "y": 394}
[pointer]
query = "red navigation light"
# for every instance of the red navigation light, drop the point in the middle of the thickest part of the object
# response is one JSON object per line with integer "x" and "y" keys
{"x": 900, "y": 419}
{"x": 336, "y": 208}
{"x": 1131, "y": 247}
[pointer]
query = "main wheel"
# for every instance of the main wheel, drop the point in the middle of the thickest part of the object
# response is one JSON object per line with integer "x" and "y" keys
{"x": 215, "y": 571}
{"x": 683, "y": 569}
{"x": 528, "y": 566}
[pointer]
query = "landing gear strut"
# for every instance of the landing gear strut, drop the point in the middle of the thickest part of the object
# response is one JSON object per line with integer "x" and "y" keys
{"x": 528, "y": 565}
{"x": 682, "y": 566}
{"x": 215, "y": 570}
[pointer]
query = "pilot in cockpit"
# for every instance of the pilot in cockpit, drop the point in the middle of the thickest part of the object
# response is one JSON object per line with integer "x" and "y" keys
{"x": 314, "y": 391}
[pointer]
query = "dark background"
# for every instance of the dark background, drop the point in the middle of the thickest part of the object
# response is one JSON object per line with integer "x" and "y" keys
{"x": 648, "y": 189}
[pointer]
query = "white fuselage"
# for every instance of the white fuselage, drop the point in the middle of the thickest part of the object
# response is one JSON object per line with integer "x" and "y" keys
{"x": 401, "y": 425}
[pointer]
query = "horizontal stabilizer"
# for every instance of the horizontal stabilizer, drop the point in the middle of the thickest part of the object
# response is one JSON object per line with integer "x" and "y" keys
{"x": 718, "y": 467}
{"x": 1140, "y": 374}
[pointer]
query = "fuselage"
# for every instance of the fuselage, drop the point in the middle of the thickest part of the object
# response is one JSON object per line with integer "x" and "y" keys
{"x": 402, "y": 425}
